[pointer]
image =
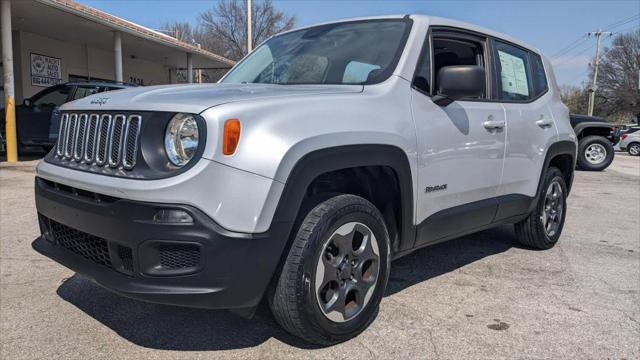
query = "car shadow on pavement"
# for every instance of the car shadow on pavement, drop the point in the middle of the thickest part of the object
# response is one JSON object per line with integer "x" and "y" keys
{"x": 184, "y": 329}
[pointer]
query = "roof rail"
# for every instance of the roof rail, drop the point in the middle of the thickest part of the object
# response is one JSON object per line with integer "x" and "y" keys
{"x": 103, "y": 81}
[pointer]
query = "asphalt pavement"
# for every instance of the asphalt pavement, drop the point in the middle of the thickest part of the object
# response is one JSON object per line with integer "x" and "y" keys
{"x": 482, "y": 296}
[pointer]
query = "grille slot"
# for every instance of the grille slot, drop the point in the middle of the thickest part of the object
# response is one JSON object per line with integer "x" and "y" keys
{"x": 80, "y": 243}
{"x": 126, "y": 258}
{"x": 64, "y": 123}
{"x": 175, "y": 257}
{"x": 79, "y": 140}
{"x": 90, "y": 141}
{"x": 107, "y": 139}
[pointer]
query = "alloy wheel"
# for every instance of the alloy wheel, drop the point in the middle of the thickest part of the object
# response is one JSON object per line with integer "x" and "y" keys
{"x": 347, "y": 272}
{"x": 553, "y": 207}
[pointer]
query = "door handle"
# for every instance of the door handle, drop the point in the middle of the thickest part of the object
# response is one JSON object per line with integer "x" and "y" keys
{"x": 493, "y": 124}
{"x": 544, "y": 123}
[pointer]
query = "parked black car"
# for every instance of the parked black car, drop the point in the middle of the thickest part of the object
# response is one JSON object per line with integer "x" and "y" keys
{"x": 596, "y": 138}
{"x": 38, "y": 118}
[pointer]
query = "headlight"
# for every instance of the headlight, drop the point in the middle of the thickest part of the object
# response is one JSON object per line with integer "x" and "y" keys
{"x": 181, "y": 139}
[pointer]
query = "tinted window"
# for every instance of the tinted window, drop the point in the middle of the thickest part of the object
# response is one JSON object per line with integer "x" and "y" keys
{"x": 539, "y": 77}
{"x": 51, "y": 97}
{"x": 422, "y": 79}
{"x": 340, "y": 53}
{"x": 514, "y": 74}
{"x": 83, "y": 91}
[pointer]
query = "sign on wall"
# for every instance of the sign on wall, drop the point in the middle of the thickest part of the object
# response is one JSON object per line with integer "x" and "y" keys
{"x": 45, "y": 70}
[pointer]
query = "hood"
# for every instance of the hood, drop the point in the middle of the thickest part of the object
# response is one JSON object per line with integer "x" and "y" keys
{"x": 196, "y": 98}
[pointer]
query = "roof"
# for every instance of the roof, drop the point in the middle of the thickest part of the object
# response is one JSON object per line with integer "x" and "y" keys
{"x": 125, "y": 26}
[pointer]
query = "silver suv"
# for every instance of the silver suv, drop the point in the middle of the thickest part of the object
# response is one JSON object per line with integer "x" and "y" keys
{"x": 325, "y": 154}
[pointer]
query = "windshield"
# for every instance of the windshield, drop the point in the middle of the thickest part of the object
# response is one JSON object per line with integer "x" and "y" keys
{"x": 360, "y": 52}
{"x": 54, "y": 96}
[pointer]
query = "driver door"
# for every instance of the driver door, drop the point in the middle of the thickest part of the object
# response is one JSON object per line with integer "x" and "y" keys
{"x": 460, "y": 146}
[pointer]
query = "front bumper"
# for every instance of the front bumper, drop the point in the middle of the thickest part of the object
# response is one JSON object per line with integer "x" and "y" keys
{"x": 117, "y": 244}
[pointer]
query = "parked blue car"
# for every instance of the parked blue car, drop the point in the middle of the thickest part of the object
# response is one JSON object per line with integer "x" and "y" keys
{"x": 38, "y": 118}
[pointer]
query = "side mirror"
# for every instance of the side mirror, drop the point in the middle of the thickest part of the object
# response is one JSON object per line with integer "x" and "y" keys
{"x": 458, "y": 82}
{"x": 27, "y": 102}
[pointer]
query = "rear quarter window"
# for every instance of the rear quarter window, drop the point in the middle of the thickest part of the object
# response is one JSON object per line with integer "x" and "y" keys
{"x": 539, "y": 77}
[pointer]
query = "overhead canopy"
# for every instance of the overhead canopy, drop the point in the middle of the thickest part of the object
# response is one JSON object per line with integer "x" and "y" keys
{"x": 71, "y": 21}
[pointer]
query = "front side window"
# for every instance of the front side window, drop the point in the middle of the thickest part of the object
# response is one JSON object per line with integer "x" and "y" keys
{"x": 361, "y": 52}
{"x": 514, "y": 76}
{"x": 453, "y": 52}
{"x": 52, "y": 97}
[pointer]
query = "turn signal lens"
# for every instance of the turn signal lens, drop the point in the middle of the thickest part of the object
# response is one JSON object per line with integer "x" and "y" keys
{"x": 231, "y": 136}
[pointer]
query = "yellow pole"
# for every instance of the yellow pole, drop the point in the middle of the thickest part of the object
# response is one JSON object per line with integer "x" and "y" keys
{"x": 7, "y": 67}
{"x": 10, "y": 128}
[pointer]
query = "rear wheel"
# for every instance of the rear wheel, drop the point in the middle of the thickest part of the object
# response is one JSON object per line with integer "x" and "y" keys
{"x": 335, "y": 273}
{"x": 633, "y": 149}
{"x": 542, "y": 229}
{"x": 595, "y": 153}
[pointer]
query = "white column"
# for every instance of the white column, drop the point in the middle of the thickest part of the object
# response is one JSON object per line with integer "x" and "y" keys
{"x": 189, "y": 68}
{"x": 117, "y": 51}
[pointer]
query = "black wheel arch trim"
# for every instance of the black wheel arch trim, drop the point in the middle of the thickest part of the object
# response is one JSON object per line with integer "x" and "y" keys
{"x": 584, "y": 125}
{"x": 564, "y": 147}
{"x": 322, "y": 161}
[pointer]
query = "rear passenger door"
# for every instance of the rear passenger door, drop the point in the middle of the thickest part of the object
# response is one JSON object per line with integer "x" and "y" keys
{"x": 523, "y": 91}
{"x": 461, "y": 146}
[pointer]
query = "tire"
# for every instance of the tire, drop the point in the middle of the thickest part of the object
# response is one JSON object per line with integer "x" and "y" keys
{"x": 307, "y": 293}
{"x": 532, "y": 231}
{"x": 634, "y": 149}
{"x": 595, "y": 153}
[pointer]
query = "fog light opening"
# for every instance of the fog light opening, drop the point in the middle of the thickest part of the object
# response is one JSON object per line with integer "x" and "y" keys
{"x": 172, "y": 216}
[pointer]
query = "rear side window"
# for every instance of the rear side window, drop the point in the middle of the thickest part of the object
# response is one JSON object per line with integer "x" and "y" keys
{"x": 539, "y": 77}
{"x": 514, "y": 74}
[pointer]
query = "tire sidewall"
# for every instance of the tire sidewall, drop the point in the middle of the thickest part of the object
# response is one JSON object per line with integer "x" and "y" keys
{"x": 632, "y": 145}
{"x": 331, "y": 221}
{"x": 552, "y": 175}
{"x": 584, "y": 164}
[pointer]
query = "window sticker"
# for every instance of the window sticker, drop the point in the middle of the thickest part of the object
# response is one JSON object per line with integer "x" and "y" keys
{"x": 514, "y": 74}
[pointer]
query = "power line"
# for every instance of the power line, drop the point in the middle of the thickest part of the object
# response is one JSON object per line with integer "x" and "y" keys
{"x": 563, "y": 59}
{"x": 622, "y": 22}
{"x": 582, "y": 39}
{"x": 572, "y": 45}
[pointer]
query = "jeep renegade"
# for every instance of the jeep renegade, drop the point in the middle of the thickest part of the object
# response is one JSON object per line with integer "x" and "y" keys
{"x": 325, "y": 154}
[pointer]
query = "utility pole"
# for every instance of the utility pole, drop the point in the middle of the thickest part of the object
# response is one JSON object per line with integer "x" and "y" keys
{"x": 592, "y": 91}
{"x": 249, "y": 28}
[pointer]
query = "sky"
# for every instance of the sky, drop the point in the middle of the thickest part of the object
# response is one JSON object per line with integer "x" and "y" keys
{"x": 550, "y": 26}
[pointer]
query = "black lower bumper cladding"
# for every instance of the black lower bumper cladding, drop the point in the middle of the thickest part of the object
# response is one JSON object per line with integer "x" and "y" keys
{"x": 117, "y": 244}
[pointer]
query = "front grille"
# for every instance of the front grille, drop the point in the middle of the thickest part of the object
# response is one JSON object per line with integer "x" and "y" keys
{"x": 80, "y": 243}
{"x": 102, "y": 140}
{"x": 175, "y": 257}
{"x": 92, "y": 247}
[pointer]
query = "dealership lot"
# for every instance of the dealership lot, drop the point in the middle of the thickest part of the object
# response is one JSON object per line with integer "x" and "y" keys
{"x": 481, "y": 296}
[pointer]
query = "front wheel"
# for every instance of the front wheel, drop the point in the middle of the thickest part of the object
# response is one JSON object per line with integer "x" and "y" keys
{"x": 542, "y": 228}
{"x": 335, "y": 273}
{"x": 595, "y": 153}
{"x": 633, "y": 149}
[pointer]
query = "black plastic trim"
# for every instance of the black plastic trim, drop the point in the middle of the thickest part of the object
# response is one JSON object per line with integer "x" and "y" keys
{"x": 224, "y": 280}
{"x": 579, "y": 128}
{"x": 564, "y": 147}
{"x": 326, "y": 160}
